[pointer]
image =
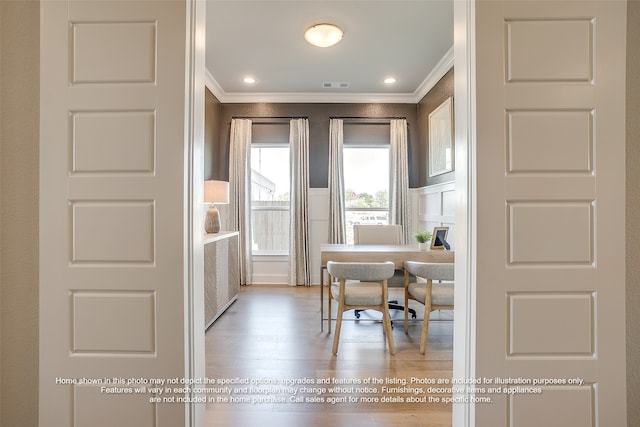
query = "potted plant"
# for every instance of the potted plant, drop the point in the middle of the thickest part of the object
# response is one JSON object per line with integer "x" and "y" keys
{"x": 422, "y": 238}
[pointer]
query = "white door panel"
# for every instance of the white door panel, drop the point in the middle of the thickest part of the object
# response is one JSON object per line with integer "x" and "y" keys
{"x": 113, "y": 208}
{"x": 550, "y": 213}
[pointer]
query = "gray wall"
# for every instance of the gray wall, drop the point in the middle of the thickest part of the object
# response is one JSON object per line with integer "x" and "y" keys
{"x": 212, "y": 111}
{"x": 436, "y": 96}
{"x": 632, "y": 229}
{"x": 319, "y": 115}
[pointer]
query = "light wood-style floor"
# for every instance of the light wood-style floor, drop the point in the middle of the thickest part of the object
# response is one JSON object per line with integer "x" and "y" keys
{"x": 273, "y": 334}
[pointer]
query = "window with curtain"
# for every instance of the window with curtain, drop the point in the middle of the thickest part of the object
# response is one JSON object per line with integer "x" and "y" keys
{"x": 270, "y": 207}
{"x": 366, "y": 183}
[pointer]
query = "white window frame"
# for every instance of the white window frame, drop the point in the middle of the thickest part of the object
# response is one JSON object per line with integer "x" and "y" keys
{"x": 276, "y": 254}
{"x": 367, "y": 209}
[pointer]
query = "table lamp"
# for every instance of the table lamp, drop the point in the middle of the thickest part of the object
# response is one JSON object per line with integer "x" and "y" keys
{"x": 214, "y": 192}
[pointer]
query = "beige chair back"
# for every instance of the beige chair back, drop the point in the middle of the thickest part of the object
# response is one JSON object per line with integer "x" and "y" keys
{"x": 363, "y": 271}
{"x": 432, "y": 271}
{"x": 367, "y": 234}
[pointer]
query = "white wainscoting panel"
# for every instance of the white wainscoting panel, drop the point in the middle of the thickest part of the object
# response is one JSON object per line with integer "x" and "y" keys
{"x": 270, "y": 270}
{"x": 318, "y": 227}
{"x": 435, "y": 208}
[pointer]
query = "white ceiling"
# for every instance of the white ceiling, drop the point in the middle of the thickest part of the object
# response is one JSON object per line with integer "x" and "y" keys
{"x": 409, "y": 40}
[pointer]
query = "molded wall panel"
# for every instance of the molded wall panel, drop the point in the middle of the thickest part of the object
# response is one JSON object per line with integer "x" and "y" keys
{"x": 572, "y": 406}
{"x": 113, "y": 141}
{"x": 551, "y": 324}
{"x": 113, "y": 232}
{"x": 91, "y": 408}
{"x": 113, "y": 52}
{"x": 550, "y": 141}
{"x": 435, "y": 207}
{"x": 96, "y": 314}
{"x": 550, "y": 232}
{"x": 540, "y": 50}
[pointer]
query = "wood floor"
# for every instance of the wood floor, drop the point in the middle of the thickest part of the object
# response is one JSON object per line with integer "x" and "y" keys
{"x": 272, "y": 335}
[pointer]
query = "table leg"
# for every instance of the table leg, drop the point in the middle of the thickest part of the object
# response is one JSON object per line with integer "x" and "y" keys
{"x": 321, "y": 299}
{"x": 329, "y": 279}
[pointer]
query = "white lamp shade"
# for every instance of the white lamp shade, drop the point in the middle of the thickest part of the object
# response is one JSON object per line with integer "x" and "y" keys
{"x": 216, "y": 191}
{"x": 323, "y": 35}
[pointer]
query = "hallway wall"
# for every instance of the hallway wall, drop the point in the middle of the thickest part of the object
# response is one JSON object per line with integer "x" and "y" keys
{"x": 19, "y": 122}
{"x": 633, "y": 207}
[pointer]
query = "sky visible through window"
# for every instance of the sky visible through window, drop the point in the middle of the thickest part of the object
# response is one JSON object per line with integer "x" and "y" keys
{"x": 273, "y": 163}
{"x": 366, "y": 170}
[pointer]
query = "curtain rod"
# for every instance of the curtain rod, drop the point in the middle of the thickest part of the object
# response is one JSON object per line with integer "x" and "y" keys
{"x": 368, "y": 119}
{"x": 284, "y": 119}
{"x": 269, "y": 118}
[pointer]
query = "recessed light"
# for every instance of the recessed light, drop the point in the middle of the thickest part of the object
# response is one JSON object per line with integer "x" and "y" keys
{"x": 249, "y": 80}
{"x": 390, "y": 80}
{"x": 323, "y": 35}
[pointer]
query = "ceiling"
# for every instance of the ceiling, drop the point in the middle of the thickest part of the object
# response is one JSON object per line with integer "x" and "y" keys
{"x": 409, "y": 40}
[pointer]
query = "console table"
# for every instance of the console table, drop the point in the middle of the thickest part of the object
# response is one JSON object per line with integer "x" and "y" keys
{"x": 221, "y": 273}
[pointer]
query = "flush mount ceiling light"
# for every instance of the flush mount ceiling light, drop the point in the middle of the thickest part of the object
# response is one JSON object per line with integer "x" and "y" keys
{"x": 390, "y": 80}
{"x": 323, "y": 35}
{"x": 249, "y": 80}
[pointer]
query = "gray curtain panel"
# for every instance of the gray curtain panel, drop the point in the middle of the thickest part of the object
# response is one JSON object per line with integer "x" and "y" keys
{"x": 399, "y": 178}
{"x": 337, "y": 227}
{"x": 240, "y": 192}
{"x": 299, "y": 265}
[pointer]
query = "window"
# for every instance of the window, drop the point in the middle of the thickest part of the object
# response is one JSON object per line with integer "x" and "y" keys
{"x": 270, "y": 199}
{"x": 366, "y": 184}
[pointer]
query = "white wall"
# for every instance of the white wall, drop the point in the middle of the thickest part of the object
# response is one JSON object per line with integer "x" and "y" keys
{"x": 435, "y": 207}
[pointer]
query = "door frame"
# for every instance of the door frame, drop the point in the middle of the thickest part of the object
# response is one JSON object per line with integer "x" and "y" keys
{"x": 464, "y": 336}
{"x": 465, "y": 143}
{"x": 195, "y": 364}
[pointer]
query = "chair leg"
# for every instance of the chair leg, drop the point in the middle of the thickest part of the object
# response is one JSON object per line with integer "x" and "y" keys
{"x": 336, "y": 337}
{"x": 425, "y": 331}
{"x": 406, "y": 312}
{"x": 329, "y": 308}
{"x": 386, "y": 318}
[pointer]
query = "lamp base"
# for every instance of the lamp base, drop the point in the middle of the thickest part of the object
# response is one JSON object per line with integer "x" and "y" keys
{"x": 212, "y": 220}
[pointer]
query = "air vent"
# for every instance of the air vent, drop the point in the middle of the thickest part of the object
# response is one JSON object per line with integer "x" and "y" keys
{"x": 335, "y": 85}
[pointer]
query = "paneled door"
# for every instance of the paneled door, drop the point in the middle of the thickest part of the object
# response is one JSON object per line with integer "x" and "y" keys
{"x": 114, "y": 211}
{"x": 550, "y": 211}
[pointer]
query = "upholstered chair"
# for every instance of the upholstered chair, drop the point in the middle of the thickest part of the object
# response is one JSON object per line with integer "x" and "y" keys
{"x": 360, "y": 285}
{"x": 436, "y": 293}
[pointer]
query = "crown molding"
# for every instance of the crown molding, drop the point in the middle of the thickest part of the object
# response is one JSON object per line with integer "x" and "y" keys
{"x": 212, "y": 84}
{"x": 438, "y": 72}
{"x": 441, "y": 68}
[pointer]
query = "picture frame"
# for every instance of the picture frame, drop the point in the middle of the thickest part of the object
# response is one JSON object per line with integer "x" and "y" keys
{"x": 439, "y": 238}
{"x": 441, "y": 152}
